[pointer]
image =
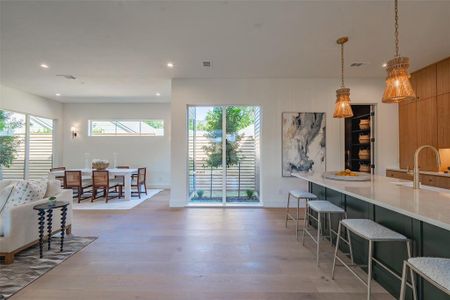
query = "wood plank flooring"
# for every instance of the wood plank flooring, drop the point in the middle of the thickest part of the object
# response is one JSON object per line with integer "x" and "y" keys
{"x": 157, "y": 252}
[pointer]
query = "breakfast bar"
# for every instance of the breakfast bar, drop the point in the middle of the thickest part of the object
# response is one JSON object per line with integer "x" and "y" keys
{"x": 422, "y": 215}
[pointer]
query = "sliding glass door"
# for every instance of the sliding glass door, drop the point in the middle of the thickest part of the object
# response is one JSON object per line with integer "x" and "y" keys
{"x": 223, "y": 164}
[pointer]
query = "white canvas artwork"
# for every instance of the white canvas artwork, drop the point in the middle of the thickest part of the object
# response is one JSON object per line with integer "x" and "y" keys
{"x": 303, "y": 143}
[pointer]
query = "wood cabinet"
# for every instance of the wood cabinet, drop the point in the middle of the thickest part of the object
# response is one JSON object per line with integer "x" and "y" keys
{"x": 425, "y": 179}
{"x": 443, "y": 119}
{"x": 407, "y": 133}
{"x": 443, "y": 76}
{"x": 426, "y": 120}
{"x": 427, "y": 132}
{"x": 425, "y": 82}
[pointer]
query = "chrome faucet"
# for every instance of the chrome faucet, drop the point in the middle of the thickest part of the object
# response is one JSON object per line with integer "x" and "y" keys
{"x": 416, "y": 182}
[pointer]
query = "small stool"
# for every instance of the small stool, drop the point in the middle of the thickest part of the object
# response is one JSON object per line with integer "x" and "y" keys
{"x": 297, "y": 194}
{"x": 321, "y": 207}
{"x": 433, "y": 269}
{"x": 372, "y": 232}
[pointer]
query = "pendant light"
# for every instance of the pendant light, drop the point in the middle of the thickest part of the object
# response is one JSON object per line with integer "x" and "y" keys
{"x": 398, "y": 87}
{"x": 342, "y": 108}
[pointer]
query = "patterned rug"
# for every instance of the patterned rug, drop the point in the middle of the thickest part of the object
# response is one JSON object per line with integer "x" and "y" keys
{"x": 27, "y": 266}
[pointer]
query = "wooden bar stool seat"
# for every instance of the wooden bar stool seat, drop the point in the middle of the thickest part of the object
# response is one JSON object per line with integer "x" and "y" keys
{"x": 435, "y": 270}
{"x": 298, "y": 195}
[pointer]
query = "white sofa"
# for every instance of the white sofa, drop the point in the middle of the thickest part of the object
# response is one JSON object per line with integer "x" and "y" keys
{"x": 20, "y": 223}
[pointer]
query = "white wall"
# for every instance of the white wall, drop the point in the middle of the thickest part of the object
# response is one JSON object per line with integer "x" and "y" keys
{"x": 23, "y": 102}
{"x": 276, "y": 96}
{"x": 151, "y": 152}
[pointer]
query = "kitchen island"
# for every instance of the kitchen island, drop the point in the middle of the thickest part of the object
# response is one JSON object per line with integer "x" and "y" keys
{"x": 421, "y": 215}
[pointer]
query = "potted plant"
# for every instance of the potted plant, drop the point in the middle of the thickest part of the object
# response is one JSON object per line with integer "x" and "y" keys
{"x": 250, "y": 194}
{"x": 52, "y": 201}
{"x": 200, "y": 193}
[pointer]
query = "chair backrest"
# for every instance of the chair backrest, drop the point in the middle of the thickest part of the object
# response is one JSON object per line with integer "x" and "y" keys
{"x": 100, "y": 179}
{"x": 72, "y": 179}
{"x": 142, "y": 174}
{"x": 123, "y": 167}
{"x": 58, "y": 169}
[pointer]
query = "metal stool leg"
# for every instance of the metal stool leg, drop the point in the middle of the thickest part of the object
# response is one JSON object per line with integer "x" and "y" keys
{"x": 369, "y": 273}
{"x": 411, "y": 272}
{"x": 287, "y": 209}
{"x": 305, "y": 224}
{"x": 336, "y": 251}
{"x": 329, "y": 228}
{"x": 403, "y": 286}
{"x": 298, "y": 218}
{"x": 319, "y": 227}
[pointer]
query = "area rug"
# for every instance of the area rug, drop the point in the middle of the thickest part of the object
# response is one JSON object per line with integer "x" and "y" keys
{"x": 115, "y": 203}
{"x": 28, "y": 267}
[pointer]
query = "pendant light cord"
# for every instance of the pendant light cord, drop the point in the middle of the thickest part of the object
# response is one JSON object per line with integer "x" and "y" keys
{"x": 342, "y": 65}
{"x": 396, "y": 30}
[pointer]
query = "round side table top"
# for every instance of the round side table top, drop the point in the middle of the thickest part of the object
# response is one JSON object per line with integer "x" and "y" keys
{"x": 46, "y": 206}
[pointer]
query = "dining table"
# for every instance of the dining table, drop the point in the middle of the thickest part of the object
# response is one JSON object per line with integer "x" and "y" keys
{"x": 87, "y": 173}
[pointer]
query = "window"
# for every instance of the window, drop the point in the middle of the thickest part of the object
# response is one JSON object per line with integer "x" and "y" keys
{"x": 126, "y": 128}
{"x": 26, "y": 145}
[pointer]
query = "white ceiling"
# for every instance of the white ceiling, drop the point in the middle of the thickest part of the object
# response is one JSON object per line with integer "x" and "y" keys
{"x": 118, "y": 49}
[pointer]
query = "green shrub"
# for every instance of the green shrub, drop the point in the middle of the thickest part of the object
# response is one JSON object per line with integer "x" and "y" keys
{"x": 200, "y": 193}
{"x": 250, "y": 194}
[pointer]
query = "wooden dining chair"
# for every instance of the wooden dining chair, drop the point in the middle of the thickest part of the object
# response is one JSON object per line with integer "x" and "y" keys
{"x": 121, "y": 177}
{"x": 60, "y": 178}
{"x": 73, "y": 180}
{"x": 140, "y": 180}
{"x": 101, "y": 181}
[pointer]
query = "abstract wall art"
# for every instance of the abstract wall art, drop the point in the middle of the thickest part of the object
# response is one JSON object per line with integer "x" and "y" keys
{"x": 303, "y": 142}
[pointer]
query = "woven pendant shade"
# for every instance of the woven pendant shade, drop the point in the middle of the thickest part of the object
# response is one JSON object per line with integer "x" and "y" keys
{"x": 398, "y": 87}
{"x": 342, "y": 108}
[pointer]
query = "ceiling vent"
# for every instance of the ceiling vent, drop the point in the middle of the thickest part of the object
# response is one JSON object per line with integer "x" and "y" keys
{"x": 71, "y": 77}
{"x": 207, "y": 64}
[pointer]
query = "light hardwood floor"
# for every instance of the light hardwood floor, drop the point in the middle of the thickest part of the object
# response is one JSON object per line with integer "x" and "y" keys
{"x": 157, "y": 252}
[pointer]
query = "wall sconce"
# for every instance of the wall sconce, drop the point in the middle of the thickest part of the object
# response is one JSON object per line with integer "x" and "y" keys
{"x": 74, "y": 131}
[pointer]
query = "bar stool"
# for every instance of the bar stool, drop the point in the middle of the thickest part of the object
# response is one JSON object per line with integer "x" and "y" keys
{"x": 297, "y": 194}
{"x": 435, "y": 270}
{"x": 322, "y": 208}
{"x": 372, "y": 232}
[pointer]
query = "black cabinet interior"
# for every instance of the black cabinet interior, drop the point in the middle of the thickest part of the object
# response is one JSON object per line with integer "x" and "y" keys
{"x": 359, "y": 139}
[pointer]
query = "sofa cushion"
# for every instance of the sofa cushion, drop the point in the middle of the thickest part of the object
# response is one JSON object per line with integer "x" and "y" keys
{"x": 27, "y": 191}
{"x": 5, "y": 193}
{"x": 53, "y": 188}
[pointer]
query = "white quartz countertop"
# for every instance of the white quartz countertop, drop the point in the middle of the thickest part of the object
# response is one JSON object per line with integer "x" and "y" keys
{"x": 431, "y": 205}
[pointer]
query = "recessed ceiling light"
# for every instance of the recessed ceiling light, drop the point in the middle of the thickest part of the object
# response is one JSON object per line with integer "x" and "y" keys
{"x": 170, "y": 65}
{"x": 45, "y": 66}
{"x": 158, "y": 94}
{"x": 58, "y": 94}
{"x": 384, "y": 65}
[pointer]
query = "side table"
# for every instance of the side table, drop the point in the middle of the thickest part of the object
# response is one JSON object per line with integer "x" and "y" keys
{"x": 48, "y": 208}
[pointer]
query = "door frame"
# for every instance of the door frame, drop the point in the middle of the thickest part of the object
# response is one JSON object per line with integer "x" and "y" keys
{"x": 224, "y": 202}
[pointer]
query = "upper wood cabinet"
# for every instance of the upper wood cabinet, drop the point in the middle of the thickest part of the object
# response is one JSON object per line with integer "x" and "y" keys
{"x": 427, "y": 132}
{"x": 407, "y": 133}
{"x": 425, "y": 82}
{"x": 426, "y": 120}
{"x": 443, "y": 120}
{"x": 443, "y": 76}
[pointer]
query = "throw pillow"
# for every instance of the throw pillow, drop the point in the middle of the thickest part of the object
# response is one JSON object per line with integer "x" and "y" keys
{"x": 36, "y": 189}
{"x": 5, "y": 193}
{"x": 53, "y": 188}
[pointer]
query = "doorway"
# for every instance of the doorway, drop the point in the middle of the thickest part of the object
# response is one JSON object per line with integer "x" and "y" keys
{"x": 223, "y": 154}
